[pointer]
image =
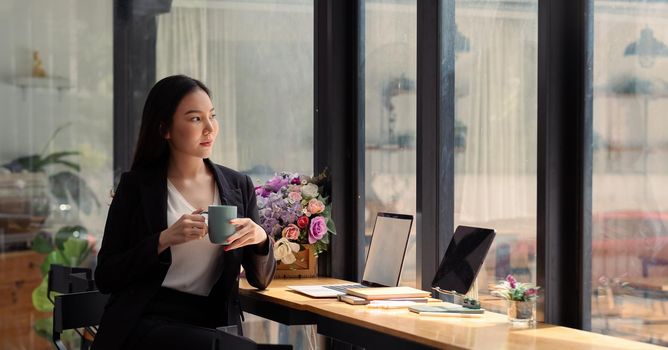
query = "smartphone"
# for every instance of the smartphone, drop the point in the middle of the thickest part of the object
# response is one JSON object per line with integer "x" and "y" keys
{"x": 351, "y": 299}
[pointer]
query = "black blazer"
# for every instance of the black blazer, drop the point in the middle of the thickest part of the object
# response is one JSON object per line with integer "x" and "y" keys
{"x": 130, "y": 268}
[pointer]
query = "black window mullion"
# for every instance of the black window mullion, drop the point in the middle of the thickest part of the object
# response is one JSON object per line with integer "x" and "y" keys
{"x": 336, "y": 133}
{"x": 564, "y": 161}
{"x": 135, "y": 36}
{"x": 435, "y": 134}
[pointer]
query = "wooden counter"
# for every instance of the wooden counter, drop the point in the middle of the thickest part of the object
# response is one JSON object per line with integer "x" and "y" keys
{"x": 375, "y": 328}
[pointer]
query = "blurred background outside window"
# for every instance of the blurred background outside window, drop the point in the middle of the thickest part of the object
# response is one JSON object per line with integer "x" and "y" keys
{"x": 56, "y": 150}
{"x": 256, "y": 57}
{"x": 389, "y": 56}
{"x": 496, "y": 52}
{"x": 630, "y": 170}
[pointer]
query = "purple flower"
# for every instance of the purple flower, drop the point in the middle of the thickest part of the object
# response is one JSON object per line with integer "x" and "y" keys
{"x": 510, "y": 279}
{"x": 276, "y": 182}
{"x": 296, "y": 180}
{"x": 318, "y": 229}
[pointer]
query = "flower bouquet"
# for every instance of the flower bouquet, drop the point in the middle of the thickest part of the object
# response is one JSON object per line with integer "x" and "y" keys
{"x": 521, "y": 298}
{"x": 295, "y": 210}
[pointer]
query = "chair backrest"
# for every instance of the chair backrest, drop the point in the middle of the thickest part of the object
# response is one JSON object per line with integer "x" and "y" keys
{"x": 79, "y": 306}
{"x": 233, "y": 341}
{"x": 65, "y": 279}
{"x": 78, "y": 310}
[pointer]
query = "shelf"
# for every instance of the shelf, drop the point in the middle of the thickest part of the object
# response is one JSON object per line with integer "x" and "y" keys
{"x": 16, "y": 241}
{"x": 50, "y": 82}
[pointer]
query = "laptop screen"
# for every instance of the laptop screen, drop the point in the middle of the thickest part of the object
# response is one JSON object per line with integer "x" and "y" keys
{"x": 387, "y": 249}
{"x": 463, "y": 259}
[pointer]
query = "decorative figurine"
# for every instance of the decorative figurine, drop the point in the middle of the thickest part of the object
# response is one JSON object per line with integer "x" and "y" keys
{"x": 37, "y": 67}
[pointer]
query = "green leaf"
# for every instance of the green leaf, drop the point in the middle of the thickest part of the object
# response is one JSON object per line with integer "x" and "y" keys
{"x": 53, "y": 136}
{"x": 331, "y": 227}
{"x": 67, "y": 232}
{"x": 327, "y": 212}
{"x": 39, "y": 298}
{"x": 67, "y": 163}
{"x": 44, "y": 327}
{"x": 55, "y": 158}
{"x": 32, "y": 163}
{"x": 55, "y": 257}
{"x": 319, "y": 247}
{"x": 74, "y": 250}
{"x": 325, "y": 238}
{"x": 42, "y": 244}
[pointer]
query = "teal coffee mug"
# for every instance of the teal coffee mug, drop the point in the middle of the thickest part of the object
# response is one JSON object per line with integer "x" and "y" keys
{"x": 219, "y": 222}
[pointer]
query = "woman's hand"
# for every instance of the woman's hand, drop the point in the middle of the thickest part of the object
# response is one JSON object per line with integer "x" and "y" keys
{"x": 247, "y": 233}
{"x": 187, "y": 228}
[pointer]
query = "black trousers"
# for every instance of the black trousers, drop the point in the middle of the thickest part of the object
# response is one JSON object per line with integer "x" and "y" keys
{"x": 175, "y": 320}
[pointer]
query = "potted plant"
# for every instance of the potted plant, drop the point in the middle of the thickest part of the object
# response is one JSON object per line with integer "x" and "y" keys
{"x": 521, "y": 298}
{"x": 70, "y": 246}
{"x": 26, "y": 187}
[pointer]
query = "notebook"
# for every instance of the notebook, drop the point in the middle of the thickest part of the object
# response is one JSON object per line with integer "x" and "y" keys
{"x": 463, "y": 258}
{"x": 381, "y": 293}
{"x": 387, "y": 248}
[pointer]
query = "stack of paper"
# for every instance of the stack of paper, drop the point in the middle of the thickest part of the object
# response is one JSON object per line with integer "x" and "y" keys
{"x": 446, "y": 310}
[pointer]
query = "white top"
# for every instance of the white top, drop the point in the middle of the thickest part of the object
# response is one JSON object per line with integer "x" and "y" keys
{"x": 193, "y": 269}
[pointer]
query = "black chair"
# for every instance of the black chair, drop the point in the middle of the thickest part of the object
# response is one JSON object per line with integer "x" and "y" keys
{"x": 80, "y": 306}
{"x": 75, "y": 311}
{"x": 65, "y": 279}
{"x": 226, "y": 341}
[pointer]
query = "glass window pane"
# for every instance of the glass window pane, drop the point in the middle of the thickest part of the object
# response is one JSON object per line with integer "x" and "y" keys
{"x": 56, "y": 90}
{"x": 630, "y": 175}
{"x": 389, "y": 67}
{"x": 256, "y": 57}
{"x": 495, "y": 132}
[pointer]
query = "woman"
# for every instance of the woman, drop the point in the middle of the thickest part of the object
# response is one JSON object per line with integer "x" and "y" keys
{"x": 169, "y": 285}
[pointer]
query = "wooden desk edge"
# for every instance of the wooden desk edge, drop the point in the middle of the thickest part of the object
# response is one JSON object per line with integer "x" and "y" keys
{"x": 315, "y": 306}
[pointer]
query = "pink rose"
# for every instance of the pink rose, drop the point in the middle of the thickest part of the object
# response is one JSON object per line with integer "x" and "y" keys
{"x": 295, "y": 196}
{"x": 315, "y": 206}
{"x": 302, "y": 222}
{"x": 291, "y": 232}
{"x": 318, "y": 229}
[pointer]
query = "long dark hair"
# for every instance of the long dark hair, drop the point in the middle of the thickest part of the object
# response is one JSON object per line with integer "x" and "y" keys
{"x": 152, "y": 149}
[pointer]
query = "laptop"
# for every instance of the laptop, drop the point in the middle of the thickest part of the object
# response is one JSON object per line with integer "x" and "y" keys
{"x": 387, "y": 249}
{"x": 463, "y": 258}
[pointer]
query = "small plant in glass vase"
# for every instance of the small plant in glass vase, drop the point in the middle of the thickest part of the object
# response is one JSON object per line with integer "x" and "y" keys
{"x": 521, "y": 298}
{"x": 609, "y": 295}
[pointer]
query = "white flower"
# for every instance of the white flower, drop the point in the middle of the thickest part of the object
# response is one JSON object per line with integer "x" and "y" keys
{"x": 310, "y": 191}
{"x": 284, "y": 251}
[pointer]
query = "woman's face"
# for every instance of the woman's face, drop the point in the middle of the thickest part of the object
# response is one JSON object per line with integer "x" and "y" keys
{"x": 194, "y": 126}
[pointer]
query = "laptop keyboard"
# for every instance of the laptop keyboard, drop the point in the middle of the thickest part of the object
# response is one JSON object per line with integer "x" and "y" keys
{"x": 342, "y": 288}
